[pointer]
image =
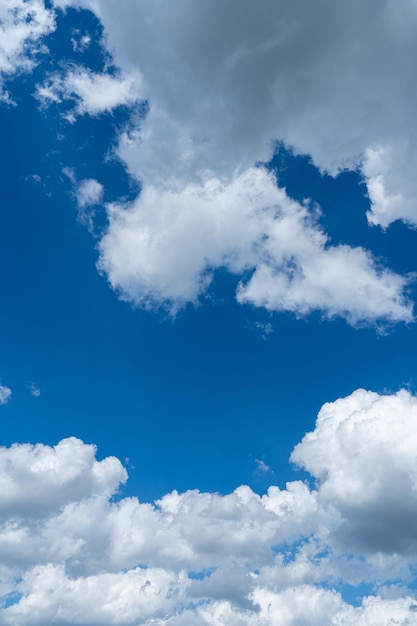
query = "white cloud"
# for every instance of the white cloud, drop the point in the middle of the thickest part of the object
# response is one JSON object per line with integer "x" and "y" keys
{"x": 37, "y": 479}
{"x": 224, "y": 82}
{"x": 80, "y": 42}
{"x": 93, "y": 93}
{"x": 22, "y": 26}
{"x": 34, "y": 389}
{"x": 389, "y": 174}
{"x": 5, "y": 394}
{"x": 165, "y": 246}
{"x": 261, "y": 466}
{"x": 123, "y": 598}
{"x": 89, "y": 192}
{"x": 363, "y": 453}
{"x": 72, "y": 553}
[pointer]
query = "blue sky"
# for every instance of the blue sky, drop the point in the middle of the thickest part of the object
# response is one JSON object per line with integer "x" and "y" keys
{"x": 207, "y": 233}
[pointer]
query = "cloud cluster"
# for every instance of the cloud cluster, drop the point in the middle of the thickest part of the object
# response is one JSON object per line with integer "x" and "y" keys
{"x": 23, "y": 24}
{"x": 224, "y": 82}
{"x": 74, "y": 552}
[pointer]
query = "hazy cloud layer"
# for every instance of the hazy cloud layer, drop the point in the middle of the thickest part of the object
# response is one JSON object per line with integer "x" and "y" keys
{"x": 72, "y": 553}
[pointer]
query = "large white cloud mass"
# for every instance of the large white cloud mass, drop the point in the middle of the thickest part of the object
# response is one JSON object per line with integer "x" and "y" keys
{"x": 74, "y": 552}
{"x": 224, "y": 81}
{"x": 164, "y": 247}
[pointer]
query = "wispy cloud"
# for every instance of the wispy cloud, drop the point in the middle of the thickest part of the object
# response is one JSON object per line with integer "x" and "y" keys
{"x": 5, "y": 394}
{"x": 261, "y": 466}
{"x": 92, "y": 93}
{"x": 34, "y": 389}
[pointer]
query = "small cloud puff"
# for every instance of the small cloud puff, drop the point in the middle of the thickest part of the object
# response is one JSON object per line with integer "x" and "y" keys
{"x": 34, "y": 389}
{"x": 88, "y": 193}
{"x": 5, "y": 394}
{"x": 261, "y": 466}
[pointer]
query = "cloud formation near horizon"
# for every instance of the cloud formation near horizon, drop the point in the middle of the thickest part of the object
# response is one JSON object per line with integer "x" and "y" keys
{"x": 73, "y": 552}
{"x": 204, "y": 91}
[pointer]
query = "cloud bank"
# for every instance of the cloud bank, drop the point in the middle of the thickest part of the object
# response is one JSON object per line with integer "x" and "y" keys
{"x": 224, "y": 83}
{"x": 72, "y": 551}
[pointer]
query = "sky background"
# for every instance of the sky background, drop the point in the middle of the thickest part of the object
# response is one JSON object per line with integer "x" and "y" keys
{"x": 204, "y": 240}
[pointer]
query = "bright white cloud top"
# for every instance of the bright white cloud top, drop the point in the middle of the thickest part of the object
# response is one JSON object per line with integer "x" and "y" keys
{"x": 165, "y": 246}
{"x": 81, "y": 556}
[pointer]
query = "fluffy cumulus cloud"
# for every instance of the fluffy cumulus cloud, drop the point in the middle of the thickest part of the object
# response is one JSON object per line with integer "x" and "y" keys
{"x": 363, "y": 452}
{"x": 224, "y": 82}
{"x": 23, "y": 23}
{"x": 73, "y": 551}
{"x": 165, "y": 246}
{"x": 89, "y": 192}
